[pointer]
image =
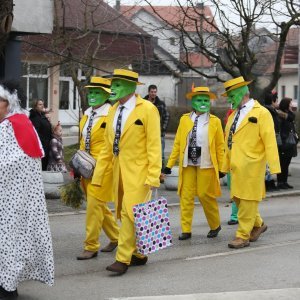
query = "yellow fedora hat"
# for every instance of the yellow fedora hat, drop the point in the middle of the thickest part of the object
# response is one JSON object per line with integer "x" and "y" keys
{"x": 201, "y": 90}
{"x": 126, "y": 75}
{"x": 100, "y": 82}
{"x": 234, "y": 83}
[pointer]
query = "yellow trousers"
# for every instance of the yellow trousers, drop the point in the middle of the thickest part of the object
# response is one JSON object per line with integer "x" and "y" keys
{"x": 201, "y": 183}
{"x": 99, "y": 216}
{"x": 127, "y": 240}
{"x": 248, "y": 216}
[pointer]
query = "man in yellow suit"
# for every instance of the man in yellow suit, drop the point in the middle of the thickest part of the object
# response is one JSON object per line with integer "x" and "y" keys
{"x": 199, "y": 144}
{"x": 98, "y": 215}
{"x": 132, "y": 144}
{"x": 249, "y": 144}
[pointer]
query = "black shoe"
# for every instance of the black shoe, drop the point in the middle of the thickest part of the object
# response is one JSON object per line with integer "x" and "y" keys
{"x": 282, "y": 186}
{"x": 232, "y": 222}
{"x": 213, "y": 233}
{"x": 4, "y": 294}
{"x": 137, "y": 261}
{"x": 185, "y": 236}
{"x": 288, "y": 186}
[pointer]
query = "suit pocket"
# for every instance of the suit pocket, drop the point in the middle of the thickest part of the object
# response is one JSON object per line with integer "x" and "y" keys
{"x": 138, "y": 122}
{"x": 103, "y": 125}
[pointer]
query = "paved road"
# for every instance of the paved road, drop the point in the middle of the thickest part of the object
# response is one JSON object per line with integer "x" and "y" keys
{"x": 198, "y": 267}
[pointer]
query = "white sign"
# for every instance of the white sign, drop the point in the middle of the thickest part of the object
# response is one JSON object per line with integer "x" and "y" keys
{"x": 33, "y": 16}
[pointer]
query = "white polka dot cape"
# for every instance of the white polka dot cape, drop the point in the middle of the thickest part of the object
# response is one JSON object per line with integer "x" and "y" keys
{"x": 25, "y": 238}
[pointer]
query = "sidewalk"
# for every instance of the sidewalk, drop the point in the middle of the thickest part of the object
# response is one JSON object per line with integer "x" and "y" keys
{"x": 55, "y": 206}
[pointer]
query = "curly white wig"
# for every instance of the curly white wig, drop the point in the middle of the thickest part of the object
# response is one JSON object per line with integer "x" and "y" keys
{"x": 12, "y": 99}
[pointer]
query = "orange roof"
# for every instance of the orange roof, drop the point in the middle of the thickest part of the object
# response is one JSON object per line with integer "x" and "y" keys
{"x": 187, "y": 16}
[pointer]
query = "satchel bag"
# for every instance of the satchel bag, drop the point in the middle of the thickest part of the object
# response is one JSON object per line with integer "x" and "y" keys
{"x": 152, "y": 225}
{"x": 83, "y": 164}
{"x": 291, "y": 140}
{"x": 191, "y": 149}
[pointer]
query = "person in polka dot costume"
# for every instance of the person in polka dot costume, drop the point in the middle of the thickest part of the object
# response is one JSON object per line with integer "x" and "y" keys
{"x": 25, "y": 239}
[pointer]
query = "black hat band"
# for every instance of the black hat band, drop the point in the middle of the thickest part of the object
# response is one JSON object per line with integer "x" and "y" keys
{"x": 100, "y": 84}
{"x": 125, "y": 77}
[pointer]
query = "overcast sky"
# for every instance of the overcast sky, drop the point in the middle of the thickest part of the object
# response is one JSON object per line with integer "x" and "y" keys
{"x": 265, "y": 22}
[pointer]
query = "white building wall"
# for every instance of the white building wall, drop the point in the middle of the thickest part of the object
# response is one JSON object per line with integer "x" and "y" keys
{"x": 288, "y": 81}
{"x": 155, "y": 28}
{"x": 35, "y": 16}
{"x": 166, "y": 87}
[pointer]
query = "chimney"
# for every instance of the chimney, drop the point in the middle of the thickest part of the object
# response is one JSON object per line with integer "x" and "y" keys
{"x": 118, "y": 5}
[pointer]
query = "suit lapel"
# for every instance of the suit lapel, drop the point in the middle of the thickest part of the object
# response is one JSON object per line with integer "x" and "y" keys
{"x": 245, "y": 120}
{"x": 82, "y": 124}
{"x": 211, "y": 130}
{"x": 132, "y": 117}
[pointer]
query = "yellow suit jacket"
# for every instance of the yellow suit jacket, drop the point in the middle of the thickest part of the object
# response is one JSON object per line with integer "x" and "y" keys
{"x": 139, "y": 161}
{"x": 216, "y": 147}
{"x": 254, "y": 144}
{"x": 103, "y": 193}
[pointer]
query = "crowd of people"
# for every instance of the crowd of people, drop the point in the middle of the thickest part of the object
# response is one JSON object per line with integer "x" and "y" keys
{"x": 125, "y": 135}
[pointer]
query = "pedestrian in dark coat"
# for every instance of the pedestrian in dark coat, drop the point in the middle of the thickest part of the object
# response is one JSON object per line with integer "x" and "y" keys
{"x": 286, "y": 150}
{"x": 43, "y": 127}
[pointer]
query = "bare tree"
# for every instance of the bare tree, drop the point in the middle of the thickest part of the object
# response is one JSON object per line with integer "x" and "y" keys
{"x": 234, "y": 28}
{"x": 6, "y": 17}
{"x": 91, "y": 36}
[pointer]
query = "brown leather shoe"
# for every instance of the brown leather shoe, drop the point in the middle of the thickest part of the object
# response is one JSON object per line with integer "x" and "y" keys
{"x": 137, "y": 261}
{"x": 238, "y": 243}
{"x": 110, "y": 247}
{"x": 87, "y": 255}
{"x": 257, "y": 231}
{"x": 118, "y": 267}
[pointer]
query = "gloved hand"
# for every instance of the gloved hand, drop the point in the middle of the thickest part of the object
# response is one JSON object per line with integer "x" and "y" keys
{"x": 221, "y": 175}
{"x": 167, "y": 171}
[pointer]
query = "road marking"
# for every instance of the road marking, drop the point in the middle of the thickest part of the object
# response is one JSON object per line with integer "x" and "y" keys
{"x": 286, "y": 294}
{"x": 243, "y": 250}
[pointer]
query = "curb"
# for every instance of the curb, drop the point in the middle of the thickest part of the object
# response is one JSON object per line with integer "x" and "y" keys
{"x": 273, "y": 195}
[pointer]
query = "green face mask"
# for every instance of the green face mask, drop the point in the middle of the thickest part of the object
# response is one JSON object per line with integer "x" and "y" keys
{"x": 96, "y": 96}
{"x": 201, "y": 103}
{"x": 236, "y": 96}
{"x": 121, "y": 88}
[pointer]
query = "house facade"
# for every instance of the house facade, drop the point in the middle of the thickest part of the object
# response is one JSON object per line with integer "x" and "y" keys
{"x": 167, "y": 24}
{"x": 288, "y": 84}
{"x": 56, "y": 66}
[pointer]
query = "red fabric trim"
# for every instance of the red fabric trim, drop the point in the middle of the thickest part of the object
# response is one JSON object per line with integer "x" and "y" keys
{"x": 26, "y": 135}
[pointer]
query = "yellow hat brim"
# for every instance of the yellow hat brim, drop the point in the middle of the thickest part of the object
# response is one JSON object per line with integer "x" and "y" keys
{"x": 236, "y": 86}
{"x": 190, "y": 95}
{"x": 116, "y": 77}
{"x": 107, "y": 90}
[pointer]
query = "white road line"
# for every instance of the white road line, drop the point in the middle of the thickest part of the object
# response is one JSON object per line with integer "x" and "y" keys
{"x": 241, "y": 251}
{"x": 284, "y": 294}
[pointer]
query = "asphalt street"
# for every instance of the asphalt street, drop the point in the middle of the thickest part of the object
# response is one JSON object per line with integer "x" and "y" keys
{"x": 201, "y": 268}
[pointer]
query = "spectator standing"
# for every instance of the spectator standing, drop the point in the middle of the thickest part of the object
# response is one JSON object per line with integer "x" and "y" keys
{"x": 286, "y": 150}
{"x": 43, "y": 127}
{"x": 163, "y": 113}
{"x": 271, "y": 104}
{"x": 25, "y": 238}
{"x": 56, "y": 153}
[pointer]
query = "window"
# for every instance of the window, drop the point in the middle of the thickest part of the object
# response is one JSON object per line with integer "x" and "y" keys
{"x": 172, "y": 41}
{"x": 34, "y": 82}
{"x": 295, "y": 92}
{"x": 282, "y": 91}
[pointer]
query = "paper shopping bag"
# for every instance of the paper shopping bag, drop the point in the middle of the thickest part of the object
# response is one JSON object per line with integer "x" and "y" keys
{"x": 153, "y": 231}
